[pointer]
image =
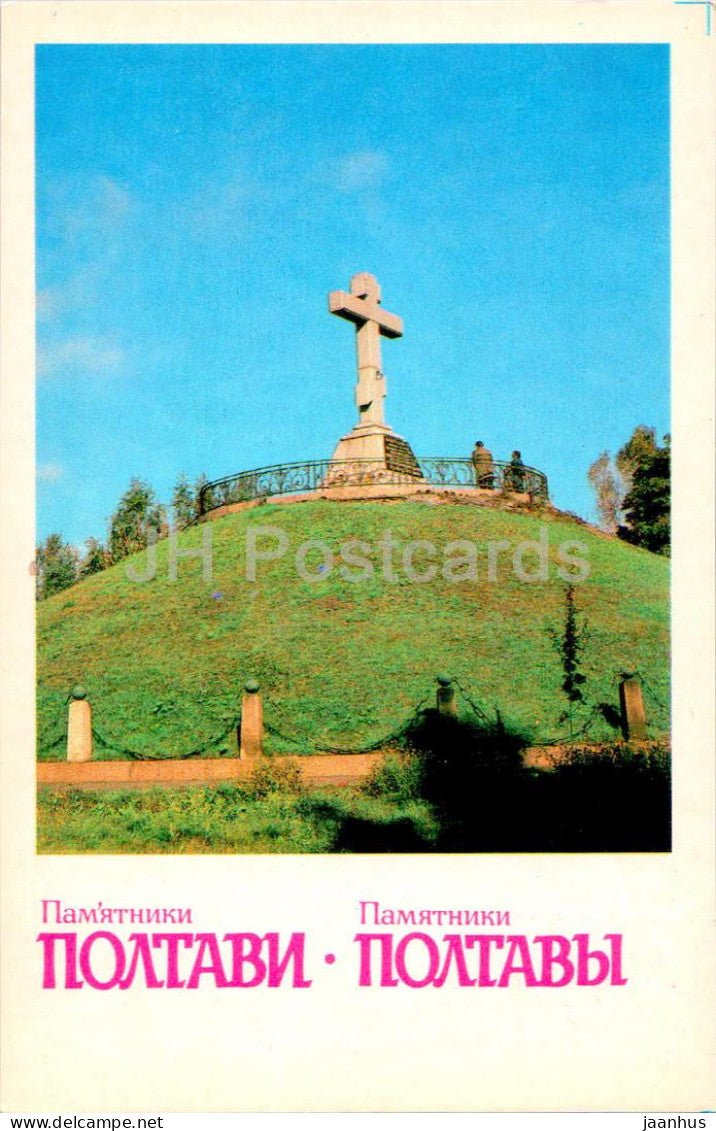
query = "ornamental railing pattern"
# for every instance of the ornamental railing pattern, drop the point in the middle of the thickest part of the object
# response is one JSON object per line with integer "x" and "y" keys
{"x": 313, "y": 475}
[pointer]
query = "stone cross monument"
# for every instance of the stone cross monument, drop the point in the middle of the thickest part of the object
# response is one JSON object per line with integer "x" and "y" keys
{"x": 371, "y": 438}
{"x": 362, "y": 306}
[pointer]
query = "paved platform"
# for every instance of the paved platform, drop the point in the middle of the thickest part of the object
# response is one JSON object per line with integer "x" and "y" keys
{"x": 317, "y": 769}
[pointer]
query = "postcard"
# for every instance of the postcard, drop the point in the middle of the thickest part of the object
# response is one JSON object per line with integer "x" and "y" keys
{"x": 357, "y": 530}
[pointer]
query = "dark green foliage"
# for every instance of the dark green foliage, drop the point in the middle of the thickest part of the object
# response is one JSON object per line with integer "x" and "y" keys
{"x": 570, "y": 644}
{"x": 274, "y": 775}
{"x": 647, "y": 506}
{"x": 95, "y": 559}
{"x": 640, "y": 446}
{"x": 57, "y": 565}
{"x": 398, "y": 776}
{"x": 138, "y": 519}
{"x": 198, "y": 488}
{"x": 612, "y": 798}
{"x": 468, "y": 771}
{"x": 633, "y": 490}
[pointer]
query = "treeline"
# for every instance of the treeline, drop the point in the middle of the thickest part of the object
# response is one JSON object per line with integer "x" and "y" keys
{"x": 138, "y": 519}
{"x": 633, "y": 490}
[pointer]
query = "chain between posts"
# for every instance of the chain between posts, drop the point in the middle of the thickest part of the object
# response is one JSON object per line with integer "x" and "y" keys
{"x": 393, "y": 736}
{"x": 44, "y": 746}
{"x": 112, "y": 744}
{"x": 653, "y": 695}
{"x": 302, "y": 743}
{"x": 475, "y": 708}
{"x": 594, "y": 714}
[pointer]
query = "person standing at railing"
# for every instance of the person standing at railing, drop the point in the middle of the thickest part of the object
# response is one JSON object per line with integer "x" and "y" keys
{"x": 483, "y": 465}
{"x": 515, "y": 476}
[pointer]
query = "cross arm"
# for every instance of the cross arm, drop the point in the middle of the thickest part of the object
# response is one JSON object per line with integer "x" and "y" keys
{"x": 360, "y": 310}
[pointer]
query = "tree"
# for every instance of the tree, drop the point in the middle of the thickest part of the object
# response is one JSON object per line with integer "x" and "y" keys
{"x": 183, "y": 503}
{"x": 647, "y": 506}
{"x": 137, "y": 518}
{"x": 95, "y": 559}
{"x": 57, "y": 566}
{"x": 608, "y": 486}
{"x": 612, "y": 480}
{"x": 198, "y": 486}
{"x": 640, "y": 446}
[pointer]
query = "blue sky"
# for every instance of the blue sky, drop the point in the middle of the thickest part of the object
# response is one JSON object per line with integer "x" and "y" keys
{"x": 195, "y": 204}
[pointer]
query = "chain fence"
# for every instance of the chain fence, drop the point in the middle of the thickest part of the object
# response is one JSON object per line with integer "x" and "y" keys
{"x": 310, "y": 745}
{"x": 58, "y": 729}
{"x": 656, "y": 704}
{"x": 107, "y": 742}
{"x": 305, "y": 743}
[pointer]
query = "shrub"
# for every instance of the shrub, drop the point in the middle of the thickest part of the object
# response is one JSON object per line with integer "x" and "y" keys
{"x": 653, "y": 757}
{"x": 399, "y": 776}
{"x": 274, "y": 775}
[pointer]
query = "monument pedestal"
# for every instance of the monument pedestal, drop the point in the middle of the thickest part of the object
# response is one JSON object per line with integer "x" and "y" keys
{"x": 372, "y": 453}
{"x": 364, "y": 441}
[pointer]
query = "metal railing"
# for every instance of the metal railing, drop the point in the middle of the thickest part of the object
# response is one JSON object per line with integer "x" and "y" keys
{"x": 314, "y": 475}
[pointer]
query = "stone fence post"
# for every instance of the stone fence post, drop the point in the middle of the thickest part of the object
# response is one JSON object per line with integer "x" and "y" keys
{"x": 79, "y": 727}
{"x": 251, "y": 740}
{"x": 446, "y": 702}
{"x": 631, "y": 702}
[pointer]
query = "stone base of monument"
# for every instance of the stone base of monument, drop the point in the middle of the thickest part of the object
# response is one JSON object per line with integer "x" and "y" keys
{"x": 372, "y": 453}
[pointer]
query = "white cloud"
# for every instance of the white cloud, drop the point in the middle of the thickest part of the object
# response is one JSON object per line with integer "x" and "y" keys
{"x": 80, "y": 354}
{"x": 49, "y": 303}
{"x": 50, "y": 472}
{"x": 220, "y": 208}
{"x": 363, "y": 170}
{"x": 115, "y": 198}
{"x": 79, "y": 290}
{"x": 96, "y": 209}
{"x": 88, "y": 219}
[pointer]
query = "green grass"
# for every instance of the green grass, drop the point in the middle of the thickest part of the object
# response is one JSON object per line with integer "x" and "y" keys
{"x": 342, "y": 663}
{"x": 224, "y": 819}
{"x": 460, "y": 789}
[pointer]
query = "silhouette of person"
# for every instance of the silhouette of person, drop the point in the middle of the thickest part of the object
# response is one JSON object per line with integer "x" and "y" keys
{"x": 483, "y": 465}
{"x": 516, "y": 472}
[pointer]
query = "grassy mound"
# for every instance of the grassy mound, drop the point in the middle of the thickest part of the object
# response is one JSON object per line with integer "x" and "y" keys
{"x": 342, "y": 661}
